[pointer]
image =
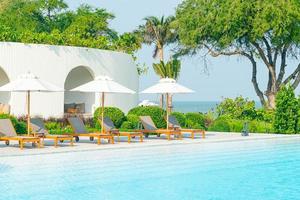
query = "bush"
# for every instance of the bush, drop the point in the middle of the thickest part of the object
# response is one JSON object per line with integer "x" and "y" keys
{"x": 127, "y": 126}
{"x": 134, "y": 120}
{"x": 260, "y": 127}
{"x": 236, "y": 125}
{"x": 265, "y": 115}
{"x": 156, "y": 113}
{"x": 115, "y": 114}
{"x": 52, "y": 125}
{"x": 180, "y": 118}
{"x": 286, "y": 112}
{"x": 238, "y": 108}
{"x": 195, "y": 120}
{"x": 220, "y": 125}
{"x": 21, "y": 127}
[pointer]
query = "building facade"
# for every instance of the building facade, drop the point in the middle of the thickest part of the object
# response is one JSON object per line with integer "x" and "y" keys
{"x": 66, "y": 67}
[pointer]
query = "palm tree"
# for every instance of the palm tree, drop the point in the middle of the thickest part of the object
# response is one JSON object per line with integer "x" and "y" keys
{"x": 170, "y": 69}
{"x": 160, "y": 33}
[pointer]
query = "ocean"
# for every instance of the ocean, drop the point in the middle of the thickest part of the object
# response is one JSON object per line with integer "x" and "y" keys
{"x": 194, "y": 106}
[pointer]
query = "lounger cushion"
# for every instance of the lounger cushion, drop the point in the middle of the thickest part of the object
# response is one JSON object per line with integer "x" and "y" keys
{"x": 77, "y": 125}
{"x": 148, "y": 123}
{"x": 38, "y": 126}
{"x": 7, "y": 128}
{"x": 173, "y": 122}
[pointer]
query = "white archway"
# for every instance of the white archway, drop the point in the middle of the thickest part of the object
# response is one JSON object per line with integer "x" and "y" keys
{"x": 4, "y": 96}
{"x": 83, "y": 102}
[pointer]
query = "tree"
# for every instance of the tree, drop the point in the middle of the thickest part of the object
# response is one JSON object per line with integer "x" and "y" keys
{"x": 50, "y": 22}
{"x": 158, "y": 32}
{"x": 266, "y": 31}
{"x": 170, "y": 69}
{"x": 286, "y": 112}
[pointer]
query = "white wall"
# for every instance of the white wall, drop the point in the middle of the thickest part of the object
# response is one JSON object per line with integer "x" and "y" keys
{"x": 54, "y": 63}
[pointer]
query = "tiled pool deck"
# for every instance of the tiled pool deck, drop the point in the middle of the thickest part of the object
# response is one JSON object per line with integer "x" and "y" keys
{"x": 86, "y": 145}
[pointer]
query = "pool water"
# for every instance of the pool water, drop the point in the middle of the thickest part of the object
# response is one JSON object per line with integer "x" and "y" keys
{"x": 262, "y": 169}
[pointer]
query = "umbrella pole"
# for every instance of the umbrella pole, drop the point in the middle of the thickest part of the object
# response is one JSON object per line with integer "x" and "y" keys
{"x": 167, "y": 105}
{"x": 28, "y": 112}
{"x": 102, "y": 113}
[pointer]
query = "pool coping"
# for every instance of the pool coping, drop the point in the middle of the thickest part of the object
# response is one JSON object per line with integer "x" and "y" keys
{"x": 186, "y": 141}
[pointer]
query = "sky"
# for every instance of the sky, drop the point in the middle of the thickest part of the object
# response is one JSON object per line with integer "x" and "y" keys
{"x": 222, "y": 77}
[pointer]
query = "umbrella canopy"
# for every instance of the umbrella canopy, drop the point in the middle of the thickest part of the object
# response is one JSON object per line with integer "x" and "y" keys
{"x": 167, "y": 86}
{"x": 103, "y": 84}
{"x": 30, "y": 82}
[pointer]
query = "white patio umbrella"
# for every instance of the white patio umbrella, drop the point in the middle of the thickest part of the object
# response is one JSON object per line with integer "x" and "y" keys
{"x": 103, "y": 85}
{"x": 29, "y": 83}
{"x": 167, "y": 86}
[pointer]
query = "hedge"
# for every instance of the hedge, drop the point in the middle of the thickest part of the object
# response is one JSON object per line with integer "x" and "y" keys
{"x": 156, "y": 113}
{"x": 115, "y": 114}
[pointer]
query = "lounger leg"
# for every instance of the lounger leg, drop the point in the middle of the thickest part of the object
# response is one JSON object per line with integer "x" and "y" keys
{"x": 129, "y": 138}
{"x": 193, "y": 135}
{"x": 119, "y": 138}
{"x": 99, "y": 141}
{"x": 39, "y": 144}
{"x": 141, "y": 138}
{"x": 180, "y": 136}
{"x": 168, "y": 135}
{"x": 71, "y": 141}
{"x": 21, "y": 144}
{"x": 55, "y": 142}
{"x": 112, "y": 140}
{"x": 203, "y": 134}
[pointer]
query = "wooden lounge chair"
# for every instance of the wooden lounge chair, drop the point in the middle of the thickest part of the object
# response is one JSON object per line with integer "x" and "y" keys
{"x": 173, "y": 123}
{"x": 110, "y": 128}
{"x": 80, "y": 131}
{"x": 39, "y": 130}
{"x": 8, "y": 133}
{"x": 149, "y": 127}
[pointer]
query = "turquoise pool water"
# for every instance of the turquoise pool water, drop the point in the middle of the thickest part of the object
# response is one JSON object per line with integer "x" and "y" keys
{"x": 263, "y": 169}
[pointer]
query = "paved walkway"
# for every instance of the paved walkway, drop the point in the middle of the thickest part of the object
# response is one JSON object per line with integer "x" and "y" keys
{"x": 86, "y": 145}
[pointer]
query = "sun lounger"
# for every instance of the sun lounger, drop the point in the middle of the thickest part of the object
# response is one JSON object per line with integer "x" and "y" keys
{"x": 110, "y": 128}
{"x": 173, "y": 123}
{"x": 8, "y": 133}
{"x": 149, "y": 127}
{"x": 80, "y": 131}
{"x": 39, "y": 130}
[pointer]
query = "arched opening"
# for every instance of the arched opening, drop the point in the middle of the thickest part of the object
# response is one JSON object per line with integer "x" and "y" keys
{"x": 4, "y": 96}
{"x": 78, "y": 102}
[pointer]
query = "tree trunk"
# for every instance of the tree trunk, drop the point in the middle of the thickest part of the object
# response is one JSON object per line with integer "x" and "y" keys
{"x": 170, "y": 103}
{"x": 161, "y": 58}
{"x": 271, "y": 100}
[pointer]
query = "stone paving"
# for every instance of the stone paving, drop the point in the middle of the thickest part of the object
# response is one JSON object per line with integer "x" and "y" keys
{"x": 86, "y": 145}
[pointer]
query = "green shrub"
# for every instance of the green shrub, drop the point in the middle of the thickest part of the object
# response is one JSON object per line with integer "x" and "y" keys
{"x": 236, "y": 125}
{"x": 195, "y": 119}
{"x": 60, "y": 131}
{"x": 21, "y": 127}
{"x": 156, "y": 113}
{"x": 260, "y": 127}
{"x": 180, "y": 118}
{"x": 127, "y": 126}
{"x": 265, "y": 115}
{"x": 134, "y": 121}
{"x": 238, "y": 108}
{"x": 286, "y": 112}
{"x": 52, "y": 125}
{"x": 220, "y": 125}
{"x": 115, "y": 114}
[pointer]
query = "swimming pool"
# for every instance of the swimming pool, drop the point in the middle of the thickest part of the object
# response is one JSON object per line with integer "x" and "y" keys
{"x": 262, "y": 169}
